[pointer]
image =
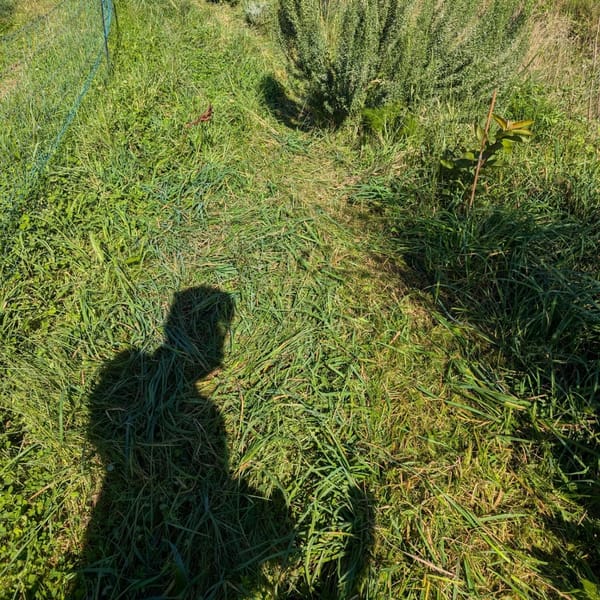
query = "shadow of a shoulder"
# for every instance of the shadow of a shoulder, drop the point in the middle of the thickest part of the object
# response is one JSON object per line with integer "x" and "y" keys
{"x": 171, "y": 521}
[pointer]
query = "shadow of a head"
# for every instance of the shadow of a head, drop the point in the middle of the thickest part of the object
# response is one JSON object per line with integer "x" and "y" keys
{"x": 196, "y": 328}
{"x": 136, "y": 391}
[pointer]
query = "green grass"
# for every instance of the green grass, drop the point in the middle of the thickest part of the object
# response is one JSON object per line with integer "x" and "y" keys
{"x": 516, "y": 280}
{"x": 329, "y": 427}
{"x": 49, "y": 57}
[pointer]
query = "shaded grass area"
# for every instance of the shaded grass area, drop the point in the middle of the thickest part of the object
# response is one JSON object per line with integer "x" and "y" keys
{"x": 529, "y": 286}
{"x": 7, "y": 9}
{"x": 301, "y": 426}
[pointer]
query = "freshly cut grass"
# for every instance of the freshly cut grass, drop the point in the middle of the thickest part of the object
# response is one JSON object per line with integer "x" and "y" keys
{"x": 330, "y": 438}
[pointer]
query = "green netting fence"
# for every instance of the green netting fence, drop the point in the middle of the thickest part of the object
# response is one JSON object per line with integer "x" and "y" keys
{"x": 48, "y": 62}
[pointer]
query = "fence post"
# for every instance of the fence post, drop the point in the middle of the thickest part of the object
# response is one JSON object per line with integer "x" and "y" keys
{"x": 105, "y": 31}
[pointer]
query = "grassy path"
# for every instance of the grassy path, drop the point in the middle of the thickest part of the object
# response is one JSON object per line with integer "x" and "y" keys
{"x": 337, "y": 403}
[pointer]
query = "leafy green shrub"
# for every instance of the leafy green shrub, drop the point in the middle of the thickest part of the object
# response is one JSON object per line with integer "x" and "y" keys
{"x": 492, "y": 147}
{"x": 332, "y": 47}
{"x": 347, "y": 55}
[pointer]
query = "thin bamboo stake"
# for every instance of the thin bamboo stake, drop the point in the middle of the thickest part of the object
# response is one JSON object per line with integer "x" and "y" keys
{"x": 593, "y": 81}
{"x": 482, "y": 149}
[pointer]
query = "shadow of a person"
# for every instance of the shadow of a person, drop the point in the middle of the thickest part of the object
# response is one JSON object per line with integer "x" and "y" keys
{"x": 171, "y": 521}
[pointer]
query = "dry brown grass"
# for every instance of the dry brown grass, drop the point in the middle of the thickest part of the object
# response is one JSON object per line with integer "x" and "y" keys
{"x": 558, "y": 58}
{"x": 10, "y": 79}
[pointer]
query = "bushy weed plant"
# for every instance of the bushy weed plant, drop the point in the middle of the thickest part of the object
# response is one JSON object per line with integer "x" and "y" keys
{"x": 348, "y": 55}
{"x": 257, "y": 14}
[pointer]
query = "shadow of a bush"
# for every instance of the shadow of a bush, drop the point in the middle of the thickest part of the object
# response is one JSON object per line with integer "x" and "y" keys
{"x": 285, "y": 109}
{"x": 527, "y": 282}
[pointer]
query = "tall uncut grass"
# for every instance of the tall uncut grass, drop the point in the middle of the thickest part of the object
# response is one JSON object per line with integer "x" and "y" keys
{"x": 516, "y": 280}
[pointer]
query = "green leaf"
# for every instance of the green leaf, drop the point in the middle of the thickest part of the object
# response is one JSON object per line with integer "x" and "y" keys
{"x": 502, "y": 123}
{"x": 512, "y": 125}
{"x": 479, "y": 132}
{"x": 96, "y": 247}
{"x": 591, "y": 589}
{"x": 24, "y": 222}
{"x": 522, "y": 132}
{"x": 134, "y": 259}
